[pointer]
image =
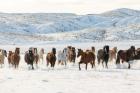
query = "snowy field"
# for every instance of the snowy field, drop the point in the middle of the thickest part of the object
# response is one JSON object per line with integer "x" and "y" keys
{"x": 69, "y": 79}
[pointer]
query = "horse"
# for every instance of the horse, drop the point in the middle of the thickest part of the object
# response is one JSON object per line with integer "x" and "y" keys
{"x": 103, "y": 54}
{"x": 86, "y": 57}
{"x": 36, "y": 56}
{"x": 29, "y": 57}
{"x": 15, "y": 58}
{"x": 3, "y": 54}
{"x": 71, "y": 56}
{"x": 41, "y": 53}
{"x": 51, "y": 58}
{"x": 126, "y": 55}
{"x": 62, "y": 57}
{"x": 9, "y": 58}
{"x": 112, "y": 54}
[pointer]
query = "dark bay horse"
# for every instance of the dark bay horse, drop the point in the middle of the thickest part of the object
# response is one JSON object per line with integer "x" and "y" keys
{"x": 51, "y": 58}
{"x": 29, "y": 58}
{"x": 36, "y": 56}
{"x": 103, "y": 54}
{"x": 126, "y": 55}
{"x": 71, "y": 56}
{"x": 15, "y": 58}
{"x": 86, "y": 57}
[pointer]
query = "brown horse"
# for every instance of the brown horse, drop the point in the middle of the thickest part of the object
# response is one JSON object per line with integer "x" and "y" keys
{"x": 51, "y": 58}
{"x": 112, "y": 54}
{"x": 71, "y": 56}
{"x": 15, "y": 58}
{"x": 86, "y": 57}
{"x": 36, "y": 56}
{"x": 126, "y": 55}
{"x": 9, "y": 58}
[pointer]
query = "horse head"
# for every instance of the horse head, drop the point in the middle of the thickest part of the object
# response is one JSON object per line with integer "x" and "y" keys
{"x": 93, "y": 49}
{"x": 106, "y": 49}
{"x": 80, "y": 51}
{"x": 5, "y": 53}
{"x": 132, "y": 48}
{"x": 17, "y": 50}
{"x": 115, "y": 49}
{"x": 54, "y": 50}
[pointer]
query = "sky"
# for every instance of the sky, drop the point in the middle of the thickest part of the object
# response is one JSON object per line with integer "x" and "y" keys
{"x": 66, "y": 6}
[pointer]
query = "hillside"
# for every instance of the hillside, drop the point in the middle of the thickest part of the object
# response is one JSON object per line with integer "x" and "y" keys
{"x": 115, "y": 25}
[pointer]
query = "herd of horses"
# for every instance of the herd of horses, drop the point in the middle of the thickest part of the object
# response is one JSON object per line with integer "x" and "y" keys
{"x": 69, "y": 54}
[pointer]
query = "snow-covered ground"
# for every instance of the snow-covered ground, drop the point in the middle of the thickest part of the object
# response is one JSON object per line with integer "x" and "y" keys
{"x": 69, "y": 79}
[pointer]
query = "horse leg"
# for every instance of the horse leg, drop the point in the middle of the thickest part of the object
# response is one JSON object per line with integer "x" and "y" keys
{"x": 32, "y": 65}
{"x": 92, "y": 64}
{"x": 53, "y": 64}
{"x": 98, "y": 61}
{"x": 86, "y": 65}
{"x": 65, "y": 63}
{"x": 103, "y": 63}
{"x": 129, "y": 66}
{"x": 59, "y": 61}
{"x": 118, "y": 59}
{"x": 79, "y": 65}
{"x": 106, "y": 64}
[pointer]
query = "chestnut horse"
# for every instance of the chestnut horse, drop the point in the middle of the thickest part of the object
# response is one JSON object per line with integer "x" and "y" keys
{"x": 51, "y": 58}
{"x": 86, "y": 57}
{"x": 103, "y": 54}
{"x": 126, "y": 55}
{"x": 112, "y": 54}
{"x": 9, "y": 58}
{"x": 15, "y": 58}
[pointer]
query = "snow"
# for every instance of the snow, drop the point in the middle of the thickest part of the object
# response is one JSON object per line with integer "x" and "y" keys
{"x": 69, "y": 79}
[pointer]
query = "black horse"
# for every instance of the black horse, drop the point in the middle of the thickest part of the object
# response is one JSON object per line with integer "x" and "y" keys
{"x": 29, "y": 58}
{"x": 126, "y": 55}
{"x": 103, "y": 54}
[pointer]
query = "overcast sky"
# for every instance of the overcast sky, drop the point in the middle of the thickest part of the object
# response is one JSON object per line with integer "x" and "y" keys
{"x": 66, "y": 6}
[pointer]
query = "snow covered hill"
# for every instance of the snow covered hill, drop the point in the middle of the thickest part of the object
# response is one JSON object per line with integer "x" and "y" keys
{"x": 120, "y": 24}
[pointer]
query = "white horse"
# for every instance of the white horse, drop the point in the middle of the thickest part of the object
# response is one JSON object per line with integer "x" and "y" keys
{"x": 41, "y": 53}
{"x": 3, "y": 54}
{"x": 62, "y": 57}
